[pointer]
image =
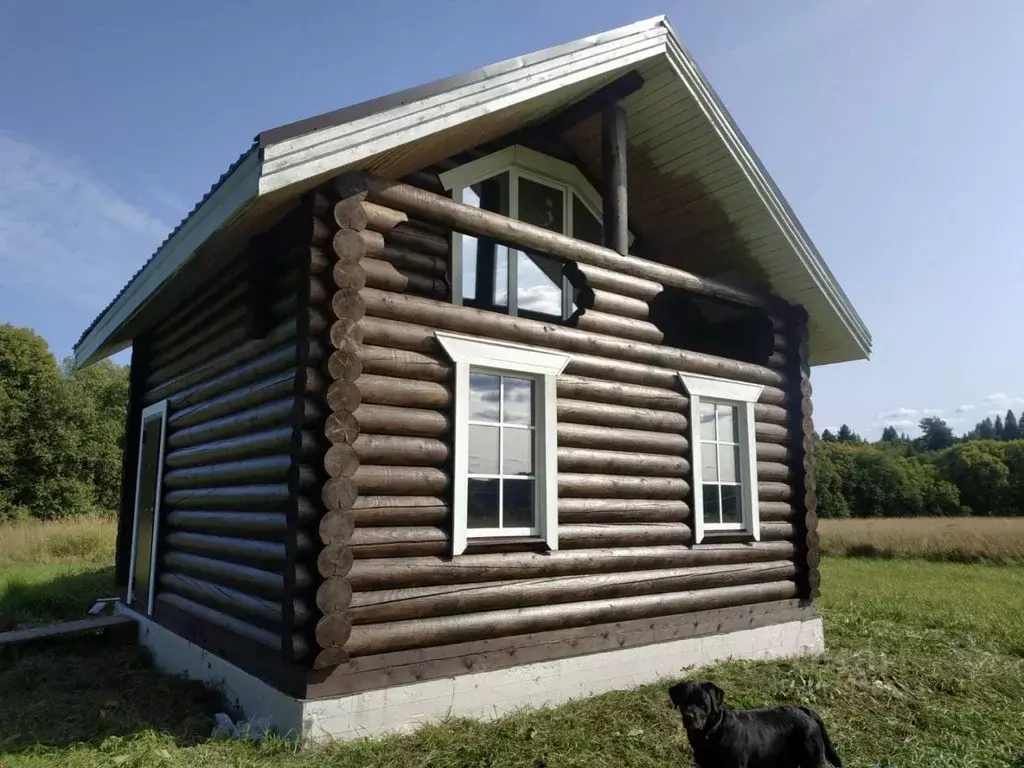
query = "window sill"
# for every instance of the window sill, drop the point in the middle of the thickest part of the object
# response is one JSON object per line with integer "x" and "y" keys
{"x": 727, "y": 537}
{"x": 482, "y": 544}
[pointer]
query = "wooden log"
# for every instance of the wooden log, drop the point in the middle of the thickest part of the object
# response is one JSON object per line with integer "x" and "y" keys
{"x": 247, "y": 351}
{"x": 367, "y": 639}
{"x": 612, "y": 303}
{"x": 610, "y": 415}
{"x": 594, "y": 321}
{"x": 343, "y": 396}
{"x": 341, "y": 460}
{"x": 215, "y": 295}
{"x": 341, "y": 427}
{"x": 336, "y": 599}
{"x": 775, "y": 511}
{"x": 396, "y": 228}
{"x": 400, "y": 510}
{"x": 344, "y": 363}
{"x": 339, "y": 493}
{"x": 231, "y": 523}
{"x": 344, "y": 331}
{"x": 618, "y": 487}
{"x": 617, "y": 393}
{"x": 281, "y": 359}
{"x": 777, "y": 531}
{"x": 273, "y": 387}
{"x": 230, "y": 338}
{"x": 774, "y": 492}
{"x": 397, "y": 451}
{"x": 386, "y": 390}
{"x": 350, "y": 214}
{"x": 315, "y": 256}
{"x": 334, "y": 562}
{"x": 392, "y": 334}
{"x": 337, "y": 527}
{"x": 415, "y": 260}
{"x": 349, "y": 247}
{"x": 384, "y": 275}
{"x": 593, "y": 437}
{"x": 614, "y": 145}
{"x": 482, "y": 322}
{"x": 270, "y": 554}
{"x": 773, "y": 452}
{"x": 770, "y": 433}
{"x": 424, "y": 571}
{"x": 348, "y": 303}
{"x": 427, "y": 180}
{"x": 265, "y": 469}
{"x": 256, "y": 581}
{"x": 404, "y": 364}
{"x": 451, "y": 600}
{"x": 265, "y": 497}
{"x": 622, "y": 511}
{"x": 233, "y": 601}
{"x": 350, "y": 278}
{"x": 204, "y": 614}
{"x": 426, "y": 481}
{"x": 258, "y": 419}
{"x": 613, "y": 281}
{"x": 201, "y": 333}
{"x": 391, "y": 420}
{"x": 259, "y": 444}
{"x": 770, "y": 414}
{"x": 518, "y": 234}
{"x": 770, "y": 470}
{"x": 621, "y": 462}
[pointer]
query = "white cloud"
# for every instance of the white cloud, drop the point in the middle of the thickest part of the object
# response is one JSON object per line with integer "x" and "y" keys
{"x": 964, "y": 408}
{"x": 63, "y": 232}
{"x": 900, "y": 413}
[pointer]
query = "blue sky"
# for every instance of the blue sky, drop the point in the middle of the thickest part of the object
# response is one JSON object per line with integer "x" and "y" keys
{"x": 893, "y": 129}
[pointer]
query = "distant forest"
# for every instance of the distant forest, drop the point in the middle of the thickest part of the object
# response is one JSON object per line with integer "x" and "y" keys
{"x": 938, "y": 473}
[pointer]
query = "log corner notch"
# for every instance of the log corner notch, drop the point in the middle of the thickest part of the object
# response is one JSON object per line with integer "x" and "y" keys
{"x": 802, "y": 435}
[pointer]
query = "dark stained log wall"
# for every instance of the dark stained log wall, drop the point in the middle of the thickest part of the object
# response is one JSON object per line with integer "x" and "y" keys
{"x": 623, "y": 452}
{"x": 240, "y": 366}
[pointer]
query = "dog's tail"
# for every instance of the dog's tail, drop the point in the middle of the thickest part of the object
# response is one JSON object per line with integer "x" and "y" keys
{"x": 830, "y": 751}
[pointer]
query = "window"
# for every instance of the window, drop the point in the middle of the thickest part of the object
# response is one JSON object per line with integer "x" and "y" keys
{"x": 724, "y": 463}
{"x": 505, "y": 470}
{"x": 146, "y": 523}
{"x": 525, "y": 185}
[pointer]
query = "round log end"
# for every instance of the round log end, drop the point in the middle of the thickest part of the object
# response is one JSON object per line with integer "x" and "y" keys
{"x": 339, "y": 493}
{"x": 334, "y": 561}
{"x": 345, "y": 363}
{"x": 350, "y": 214}
{"x": 334, "y": 595}
{"x": 341, "y": 460}
{"x": 349, "y": 276}
{"x": 332, "y": 631}
{"x": 352, "y": 184}
{"x": 343, "y": 396}
{"x": 348, "y": 246}
{"x": 348, "y": 303}
{"x": 341, "y": 427}
{"x": 330, "y": 658}
{"x": 336, "y": 527}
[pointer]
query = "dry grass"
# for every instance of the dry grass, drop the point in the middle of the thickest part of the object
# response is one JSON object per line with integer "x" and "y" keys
{"x": 83, "y": 540}
{"x": 957, "y": 539}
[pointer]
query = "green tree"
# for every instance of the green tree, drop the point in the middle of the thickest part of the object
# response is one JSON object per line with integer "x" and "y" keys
{"x": 978, "y": 470}
{"x": 936, "y": 433}
{"x": 828, "y": 437}
{"x": 1011, "y": 430}
{"x": 998, "y": 426}
{"x": 847, "y": 435}
{"x": 889, "y": 435}
{"x": 831, "y": 465}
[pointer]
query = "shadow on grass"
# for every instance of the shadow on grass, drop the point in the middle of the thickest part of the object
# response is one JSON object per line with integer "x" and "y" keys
{"x": 41, "y": 595}
{"x": 85, "y": 691}
{"x": 874, "y": 552}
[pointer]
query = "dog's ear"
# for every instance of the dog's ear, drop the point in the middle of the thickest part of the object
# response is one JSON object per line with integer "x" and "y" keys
{"x": 715, "y": 694}
{"x": 675, "y": 693}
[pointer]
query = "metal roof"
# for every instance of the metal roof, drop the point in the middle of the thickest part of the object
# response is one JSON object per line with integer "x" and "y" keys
{"x": 698, "y": 194}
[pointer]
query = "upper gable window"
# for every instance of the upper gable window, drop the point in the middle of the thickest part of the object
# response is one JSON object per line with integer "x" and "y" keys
{"x": 526, "y": 185}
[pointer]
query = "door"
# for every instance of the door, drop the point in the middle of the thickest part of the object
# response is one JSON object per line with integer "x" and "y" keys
{"x": 148, "y": 481}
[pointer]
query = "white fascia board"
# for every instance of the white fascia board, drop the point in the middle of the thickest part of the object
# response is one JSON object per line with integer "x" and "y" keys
{"x": 321, "y": 152}
{"x": 720, "y": 389}
{"x": 502, "y": 355}
{"x": 224, "y": 205}
{"x": 775, "y": 205}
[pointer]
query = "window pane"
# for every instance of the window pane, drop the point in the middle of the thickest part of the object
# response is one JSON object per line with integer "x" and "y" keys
{"x": 539, "y": 286}
{"x": 483, "y": 450}
{"x": 707, "y": 421}
{"x": 518, "y": 456}
{"x": 585, "y": 225}
{"x": 470, "y": 196}
{"x": 731, "y": 509}
{"x": 518, "y": 401}
{"x": 482, "y": 504}
{"x": 709, "y": 462}
{"x": 727, "y": 424}
{"x": 729, "y": 466}
{"x": 711, "y": 504}
{"x": 541, "y": 205}
{"x": 500, "y": 298}
{"x": 518, "y": 504}
{"x": 483, "y": 396}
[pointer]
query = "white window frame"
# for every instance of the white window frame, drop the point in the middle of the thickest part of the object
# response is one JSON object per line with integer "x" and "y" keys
{"x": 708, "y": 389}
{"x": 521, "y": 162}
{"x": 157, "y": 409}
{"x": 506, "y": 358}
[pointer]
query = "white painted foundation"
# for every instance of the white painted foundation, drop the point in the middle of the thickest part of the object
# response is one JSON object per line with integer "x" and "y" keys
{"x": 477, "y": 694}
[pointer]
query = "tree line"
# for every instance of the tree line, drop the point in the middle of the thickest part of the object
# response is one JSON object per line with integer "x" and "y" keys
{"x": 61, "y": 431}
{"x": 978, "y": 473}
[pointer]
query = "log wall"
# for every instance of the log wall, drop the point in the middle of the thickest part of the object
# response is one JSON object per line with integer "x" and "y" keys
{"x": 624, "y": 500}
{"x": 240, "y": 365}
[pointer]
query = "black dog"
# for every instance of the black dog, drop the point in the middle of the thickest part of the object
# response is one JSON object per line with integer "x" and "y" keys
{"x": 785, "y": 737}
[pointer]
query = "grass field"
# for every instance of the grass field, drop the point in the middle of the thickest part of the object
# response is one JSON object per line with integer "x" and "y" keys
{"x": 950, "y": 539}
{"x": 924, "y": 669}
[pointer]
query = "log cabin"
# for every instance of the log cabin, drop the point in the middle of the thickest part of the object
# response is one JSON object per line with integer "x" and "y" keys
{"x": 491, "y": 392}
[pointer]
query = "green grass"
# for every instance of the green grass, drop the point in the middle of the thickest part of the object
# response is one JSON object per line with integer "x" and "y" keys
{"x": 925, "y": 669}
